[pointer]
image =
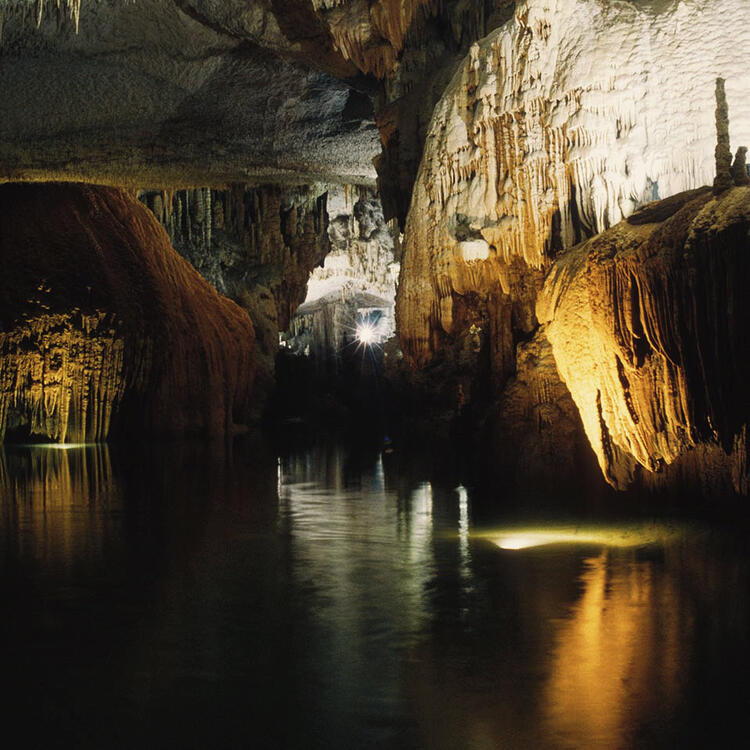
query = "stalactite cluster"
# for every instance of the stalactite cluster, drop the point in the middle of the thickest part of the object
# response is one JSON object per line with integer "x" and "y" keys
{"x": 35, "y": 10}
{"x": 245, "y": 237}
{"x": 536, "y": 144}
{"x": 62, "y": 375}
{"x": 647, "y": 325}
{"x": 372, "y": 34}
{"x": 257, "y": 245}
{"x": 103, "y": 327}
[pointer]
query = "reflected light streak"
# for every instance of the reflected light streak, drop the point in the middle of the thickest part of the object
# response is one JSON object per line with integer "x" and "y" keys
{"x": 463, "y": 536}
{"x": 421, "y": 499}
{"x": 463, "y": 521}
{"x": 420, "y": 523}
{"x": 608, "y": 536}
{"x": 60, "y": 501}
{"x": 618, "y": 645}
{"x": 58, "y": 446}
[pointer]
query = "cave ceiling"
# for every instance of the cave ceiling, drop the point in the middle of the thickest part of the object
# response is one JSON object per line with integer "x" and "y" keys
{"x": 161, "y": 93}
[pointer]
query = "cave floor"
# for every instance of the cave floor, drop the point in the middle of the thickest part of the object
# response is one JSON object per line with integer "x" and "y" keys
{"x": 337, "y": 596}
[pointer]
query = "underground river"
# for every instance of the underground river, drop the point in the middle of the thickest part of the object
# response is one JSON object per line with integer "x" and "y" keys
{"x": 327, "y": 596}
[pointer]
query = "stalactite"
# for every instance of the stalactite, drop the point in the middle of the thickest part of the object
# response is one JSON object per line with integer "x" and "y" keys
{"x": 71, "y": 7}
{"x": 372, "y": 35}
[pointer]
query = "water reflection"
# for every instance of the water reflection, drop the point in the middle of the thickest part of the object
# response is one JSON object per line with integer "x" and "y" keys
{"x": 203, "y": 596}
{"x": 57, "y": 505}
{"x": 463, "y": 531}
{"x": 362, "y": 556}
{"x": 617, "y": 655}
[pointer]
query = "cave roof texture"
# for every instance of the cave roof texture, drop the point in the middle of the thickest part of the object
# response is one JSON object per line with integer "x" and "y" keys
{"x": 177, "y": 93}
{"x": 168, "y": 93}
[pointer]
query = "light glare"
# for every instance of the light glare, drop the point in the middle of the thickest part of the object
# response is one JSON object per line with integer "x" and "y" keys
{"x": 367, "y": 334}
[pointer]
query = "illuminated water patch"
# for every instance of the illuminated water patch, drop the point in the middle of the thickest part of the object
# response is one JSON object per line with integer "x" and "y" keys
{"x": 620, "y": 535}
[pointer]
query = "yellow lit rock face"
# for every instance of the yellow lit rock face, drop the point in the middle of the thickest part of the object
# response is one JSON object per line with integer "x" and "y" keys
{"x": 104, "y": 326}
{"x": 62, "y": 375}
{"x": 647, "y": 323}
{"x": 555, "y": 127}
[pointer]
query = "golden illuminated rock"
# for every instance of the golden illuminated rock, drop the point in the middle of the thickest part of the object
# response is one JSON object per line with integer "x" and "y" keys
{"x": 648, "y": 323}
{"x": 104, "y": 327}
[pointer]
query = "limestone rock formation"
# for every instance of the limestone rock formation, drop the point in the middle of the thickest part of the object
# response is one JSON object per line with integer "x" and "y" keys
{"x": 648, "y": 324}
{"x": 245, "y": 237}
{"x": 536, "y": 436}
{"x": 359, "y": 273}
{"x": 104, "y": 329}
{"x": 364, "y": 247}
{"x": 256, "y": 245}
{"x": 553, "y": 128}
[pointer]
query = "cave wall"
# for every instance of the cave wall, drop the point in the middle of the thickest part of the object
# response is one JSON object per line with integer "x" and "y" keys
{"x": 553, "y": 128}
{"x": 105, "y": 329}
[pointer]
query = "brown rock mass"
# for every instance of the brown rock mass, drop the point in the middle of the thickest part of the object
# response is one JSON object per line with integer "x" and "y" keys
{"x": 104, "y": 328}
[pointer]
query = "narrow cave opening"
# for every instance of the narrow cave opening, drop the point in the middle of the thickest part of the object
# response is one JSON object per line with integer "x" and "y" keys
{"x": 331, "y": 363}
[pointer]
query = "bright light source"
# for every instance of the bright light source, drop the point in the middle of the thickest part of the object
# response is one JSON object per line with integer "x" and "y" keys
{"x": 521, "y": 541}
{"x": 367, "y": 333}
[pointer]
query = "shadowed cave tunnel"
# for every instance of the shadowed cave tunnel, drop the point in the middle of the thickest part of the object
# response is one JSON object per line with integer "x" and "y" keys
{"x": 393, "y": 347}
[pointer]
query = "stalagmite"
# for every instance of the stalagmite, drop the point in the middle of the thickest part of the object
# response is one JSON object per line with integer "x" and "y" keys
{"x": 739, "y": 167}
{"x": 723, "y": 180}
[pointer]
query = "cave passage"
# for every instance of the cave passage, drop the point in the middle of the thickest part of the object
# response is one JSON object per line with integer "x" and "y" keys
{"x": 374, "y": 374}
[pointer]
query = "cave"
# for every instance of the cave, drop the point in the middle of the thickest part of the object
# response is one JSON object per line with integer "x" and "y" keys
{"x": 373, "y": 373}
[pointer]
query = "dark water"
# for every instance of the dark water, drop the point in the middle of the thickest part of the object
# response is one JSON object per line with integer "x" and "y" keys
{"x": 332, "y": 598}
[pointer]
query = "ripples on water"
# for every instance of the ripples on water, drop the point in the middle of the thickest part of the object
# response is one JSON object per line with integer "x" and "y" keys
{"x": 188, "y": 597}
